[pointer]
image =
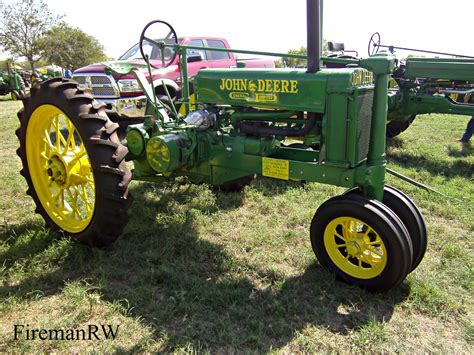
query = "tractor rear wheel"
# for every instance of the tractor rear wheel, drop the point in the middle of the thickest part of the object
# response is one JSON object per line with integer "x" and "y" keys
{"x": 394, "y": 128}
{"x": 73, "y": 162}
{"x": 362, "y": 242}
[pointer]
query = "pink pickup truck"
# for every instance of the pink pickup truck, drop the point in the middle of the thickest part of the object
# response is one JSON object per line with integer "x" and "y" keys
{"x": 123, "y": 96}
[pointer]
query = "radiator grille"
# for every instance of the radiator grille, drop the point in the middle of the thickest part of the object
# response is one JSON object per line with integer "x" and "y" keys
{"x": 100, "y": 92}
{"x": 101, "y": 85}
{"x": 364, "y": 123}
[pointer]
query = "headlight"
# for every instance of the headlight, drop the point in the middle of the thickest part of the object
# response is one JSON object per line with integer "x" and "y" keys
{"x": 129, "y": 85}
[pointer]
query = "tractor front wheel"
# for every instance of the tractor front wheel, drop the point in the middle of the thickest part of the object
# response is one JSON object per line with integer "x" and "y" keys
{"x": 410, "y": 216}
{"x": 73, "y": 162}
{"x": 362, "y": 242}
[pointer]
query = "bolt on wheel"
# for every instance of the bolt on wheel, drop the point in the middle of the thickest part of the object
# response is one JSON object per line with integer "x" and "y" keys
{"x": 409, "y": 214}
{"x": 73, "y": 162}
{"x": 355, "y": 247}
{"x": 362, "y": 241}
{"x": 60, "y": 168}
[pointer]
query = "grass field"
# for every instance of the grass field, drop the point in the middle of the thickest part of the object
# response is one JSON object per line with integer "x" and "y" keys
{"x": 198, "y": 270}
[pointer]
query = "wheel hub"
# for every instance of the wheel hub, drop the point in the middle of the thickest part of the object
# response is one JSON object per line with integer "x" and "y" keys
{"x": 66, "y": 170}
{"x": 353, "y": 248}
{"x": 57, "y": 170}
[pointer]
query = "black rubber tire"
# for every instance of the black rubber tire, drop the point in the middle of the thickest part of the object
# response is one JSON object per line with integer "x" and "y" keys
{"x": 106, "y": 154}
{"x": 394, "y": 128}
{"x": 411, "y": 217}
{"x": 389, "y": 227}
{"x": 15, "y": 95}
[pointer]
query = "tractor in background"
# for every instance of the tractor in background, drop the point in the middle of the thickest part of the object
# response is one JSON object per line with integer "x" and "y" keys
{"x": 11, "y": 83}
{"x": 420, "y": 85}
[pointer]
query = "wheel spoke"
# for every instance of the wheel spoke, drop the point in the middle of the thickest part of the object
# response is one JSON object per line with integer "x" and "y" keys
{"x": 81, "y": 153}
{"x": 84, "y": 195}
{"x": 71, "y": 142}
{"x": 366, "y": 234}
{"x": 57, "y": 131}
{"x": 47, "y": 139}
{"x": 376, "y": 252}
{"x": 339, "y": 236}
{"x": 73, "y": 205}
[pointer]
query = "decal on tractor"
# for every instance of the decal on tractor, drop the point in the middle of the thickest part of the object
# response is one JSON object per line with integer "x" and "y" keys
{"x": 276, "y": 168}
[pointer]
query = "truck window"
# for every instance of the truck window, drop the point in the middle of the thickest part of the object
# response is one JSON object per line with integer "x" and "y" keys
{"x": 213, "y": 43}
{"x": 153, "y": 51}
{"x": 197, "y": 43}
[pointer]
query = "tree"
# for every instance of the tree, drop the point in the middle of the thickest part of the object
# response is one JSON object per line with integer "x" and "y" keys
{"x": 64, "y": 45}
{"x": 22, "y": 25}
{"x": 297, "y": 62}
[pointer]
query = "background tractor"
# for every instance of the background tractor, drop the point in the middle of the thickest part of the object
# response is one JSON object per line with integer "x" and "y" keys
{"x": 420, "y": 85}
{"x": 11, "y": 83}
{"x": 243, "y": 122}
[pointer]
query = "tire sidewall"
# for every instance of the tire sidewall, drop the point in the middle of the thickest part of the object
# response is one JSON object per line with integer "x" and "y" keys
{"x": 397, "y": 252}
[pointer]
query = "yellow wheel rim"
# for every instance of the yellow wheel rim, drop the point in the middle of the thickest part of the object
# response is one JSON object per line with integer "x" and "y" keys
{"x": 355, "y": 247}
{"x": 60, "y": 168}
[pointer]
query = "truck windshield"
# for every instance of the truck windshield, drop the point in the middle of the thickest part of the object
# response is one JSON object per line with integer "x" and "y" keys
{"x": 148, "y": 48}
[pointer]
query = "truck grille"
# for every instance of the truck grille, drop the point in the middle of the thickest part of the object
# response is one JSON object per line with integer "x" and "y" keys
{"x": 102, "y": 86}
{"x": 364, "y": 123}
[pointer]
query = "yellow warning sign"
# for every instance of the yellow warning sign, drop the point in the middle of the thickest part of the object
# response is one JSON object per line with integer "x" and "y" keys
{"x": 276, "y": 168}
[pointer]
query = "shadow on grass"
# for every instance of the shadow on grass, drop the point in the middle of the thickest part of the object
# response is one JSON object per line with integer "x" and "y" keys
{"x": 395, "y": 142}
{"x": 460, "y": 151}
{"x": 436, "y": 167}
{"x": 192, "y": 292}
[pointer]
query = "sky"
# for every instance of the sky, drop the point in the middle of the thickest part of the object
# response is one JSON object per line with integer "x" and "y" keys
{"x": 279, "y": 25}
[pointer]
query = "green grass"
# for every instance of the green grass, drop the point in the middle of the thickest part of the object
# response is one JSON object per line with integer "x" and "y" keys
{"x": 203, "y": 271}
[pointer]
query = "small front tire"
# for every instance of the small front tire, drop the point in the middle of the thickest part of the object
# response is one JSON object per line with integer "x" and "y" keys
{"x": 362, "y": 242}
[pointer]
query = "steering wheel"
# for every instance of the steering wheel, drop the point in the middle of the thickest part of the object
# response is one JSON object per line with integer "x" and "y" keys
{"x": 165, "y": 51}
{"x": 374, "y": 44}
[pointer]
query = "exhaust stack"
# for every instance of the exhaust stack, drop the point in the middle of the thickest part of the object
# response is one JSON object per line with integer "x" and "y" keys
{"x": 314, "y": 28}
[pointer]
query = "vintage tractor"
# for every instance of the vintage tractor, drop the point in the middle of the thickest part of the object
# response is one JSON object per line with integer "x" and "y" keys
{"x": 75, "y": 163}
{"x": 12, "y": 83}
{"x": 421, "y": 85}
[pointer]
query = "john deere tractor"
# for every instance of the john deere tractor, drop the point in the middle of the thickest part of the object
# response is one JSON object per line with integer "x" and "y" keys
{"x": 238, "y": 125}
{"x": 420, "y": 85}
{"x": 12, "y": 83}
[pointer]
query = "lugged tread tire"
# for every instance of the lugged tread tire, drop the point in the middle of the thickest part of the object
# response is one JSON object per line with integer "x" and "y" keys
{"x": 105, "y": 152}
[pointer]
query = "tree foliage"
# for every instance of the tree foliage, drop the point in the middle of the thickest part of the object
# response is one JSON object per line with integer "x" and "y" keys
{"x": 64, "y": 45}
{"x": 22, "y": 25}
{"x": 297, "y": 62}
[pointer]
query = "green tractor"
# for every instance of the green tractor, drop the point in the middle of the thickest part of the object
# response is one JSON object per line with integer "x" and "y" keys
{"x": 421, "y": 85}
{"x": 12, "y": 83}
{"x": 373, "y": 235}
